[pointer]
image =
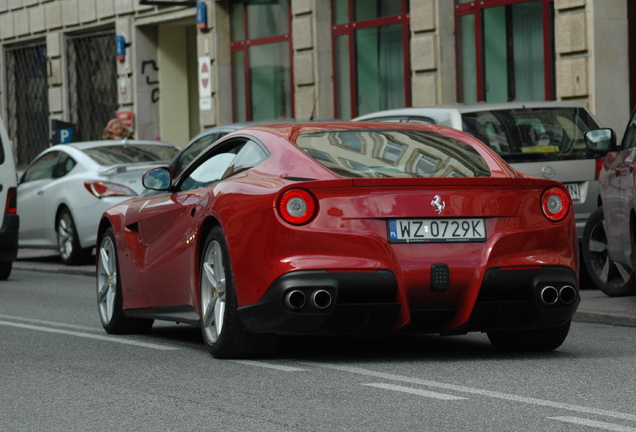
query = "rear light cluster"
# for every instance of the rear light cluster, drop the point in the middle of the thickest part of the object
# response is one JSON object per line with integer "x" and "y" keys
{"x": 12, "y": 201}
{"x": 555, "y": 203}
{"x": 297, "y": 206}
{"x": 102, "y": 189}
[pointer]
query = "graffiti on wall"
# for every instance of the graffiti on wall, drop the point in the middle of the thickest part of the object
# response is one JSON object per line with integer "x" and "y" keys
{"x": 148, "y": 98}
{"x": 154, "y": 83}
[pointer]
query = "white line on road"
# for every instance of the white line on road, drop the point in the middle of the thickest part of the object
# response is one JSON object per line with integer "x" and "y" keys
{"x": 414, "y": 391}
{"x": 55, "y": 324}
{"x": 269, "y": 366}
{"x": 477, "y": 391}
{"x": 89, "y": 336}
{"x": 594, "y": 424}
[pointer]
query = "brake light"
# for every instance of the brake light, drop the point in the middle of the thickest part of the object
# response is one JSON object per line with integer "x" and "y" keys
{"x": 297, "y": 206}
{"x": 12, "y": 201}
{"x": 102, "y": 189}
{"x": 555, "y": 204}
{"x": 599, "y": 166}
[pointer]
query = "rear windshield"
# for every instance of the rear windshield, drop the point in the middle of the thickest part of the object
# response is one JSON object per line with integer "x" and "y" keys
{"x": 389, "y": 153}
{"x": 130, "y": 153}
{"x": 526, "y": 135}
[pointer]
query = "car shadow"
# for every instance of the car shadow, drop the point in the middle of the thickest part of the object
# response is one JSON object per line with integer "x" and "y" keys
{"x": 386, "y": 348}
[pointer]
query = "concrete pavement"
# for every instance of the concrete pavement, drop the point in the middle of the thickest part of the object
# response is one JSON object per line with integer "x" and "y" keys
{"x": 595, "y": 306}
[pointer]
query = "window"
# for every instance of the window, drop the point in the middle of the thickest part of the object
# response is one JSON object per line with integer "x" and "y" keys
{"x": 629, "y": 141}
{"x": 64, "y": 166}
{"x": 371, "y": 56}
{"x": 531, "y": 134}
{"x": 223, "y": 161}
{"x": 398, "y": 154}
{"x": 505, "y": 50}
{"x": 261, "y": 52}
{"x": 192, "y": 151}
{"x": 42, "y": 168}
{"x": 130, "y": 153}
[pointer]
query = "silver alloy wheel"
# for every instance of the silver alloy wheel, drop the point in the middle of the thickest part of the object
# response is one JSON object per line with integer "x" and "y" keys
{"x": 65, "y": 235}
{"x": 606, "y": 269}
{"x": 106, "y": 279}
{"x": 213, "y": 294}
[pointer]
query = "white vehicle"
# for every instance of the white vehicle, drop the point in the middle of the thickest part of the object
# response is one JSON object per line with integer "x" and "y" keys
{"x": 9, "y": 219}
{"x": 65, "y": 190}
{"x": 541, "y": 139}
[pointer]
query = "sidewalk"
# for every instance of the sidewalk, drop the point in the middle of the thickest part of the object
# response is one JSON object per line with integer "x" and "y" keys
{"x": 595, "y": 306}
{"x": 48, "y": 261}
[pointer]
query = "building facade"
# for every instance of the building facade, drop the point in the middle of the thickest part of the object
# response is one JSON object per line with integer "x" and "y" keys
{"x": 170, "y": 69}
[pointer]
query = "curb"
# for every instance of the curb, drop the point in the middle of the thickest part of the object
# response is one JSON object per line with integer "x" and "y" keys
{"x": 601, "y": 318}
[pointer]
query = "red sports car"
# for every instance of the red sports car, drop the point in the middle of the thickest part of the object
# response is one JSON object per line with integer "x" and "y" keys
{"x": 342, "y": 228}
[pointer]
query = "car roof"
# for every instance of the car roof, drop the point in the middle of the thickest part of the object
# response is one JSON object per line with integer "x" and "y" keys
{"x": 472, "y": 107}
{"x": 290, "y": 130}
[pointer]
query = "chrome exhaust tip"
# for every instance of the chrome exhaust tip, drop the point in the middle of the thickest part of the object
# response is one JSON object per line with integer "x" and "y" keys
{"x": 549, "y": 295}
{"x": 295, "y": 299}
{"x": 321, "y": 299}
{"x": 567, "y": 294}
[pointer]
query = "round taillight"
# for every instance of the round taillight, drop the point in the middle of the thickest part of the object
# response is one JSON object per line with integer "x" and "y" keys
{"x": 555, "y": 204}
{"x": 297, "y": 206}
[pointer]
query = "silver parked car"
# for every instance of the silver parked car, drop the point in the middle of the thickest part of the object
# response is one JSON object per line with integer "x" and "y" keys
{"x": 65, "y": 190}
{"x": 541, "y": 139}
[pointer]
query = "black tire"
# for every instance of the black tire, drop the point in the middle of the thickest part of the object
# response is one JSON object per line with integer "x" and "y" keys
{"x": 109, "y": 294}
{"x": 68, "y": 244}
{"x": 530, "y": 340}
{"x": 5, "y": 269}
{"x": 612, "y": 278}
{"x": 223, "y": 333}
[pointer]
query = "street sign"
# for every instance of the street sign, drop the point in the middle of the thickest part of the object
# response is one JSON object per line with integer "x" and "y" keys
{"x": 205, "y": 83}
{"x": 125, "y": 117}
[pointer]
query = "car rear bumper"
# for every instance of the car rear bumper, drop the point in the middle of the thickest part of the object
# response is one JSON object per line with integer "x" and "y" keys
{"x": 321, "y": 302}
{"x": 9, "y": 238}
{"x": 525, "y": 299}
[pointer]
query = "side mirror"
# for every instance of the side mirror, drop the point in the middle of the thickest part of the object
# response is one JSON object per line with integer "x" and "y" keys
{"x": 159, "y": 179}
{"x": 600, "y": 140}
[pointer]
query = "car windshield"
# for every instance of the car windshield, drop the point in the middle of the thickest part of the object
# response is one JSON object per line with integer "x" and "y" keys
{"x": 391, "y": 153}
{"x": 130, "y": 153}
{"x": 526, "y": 135}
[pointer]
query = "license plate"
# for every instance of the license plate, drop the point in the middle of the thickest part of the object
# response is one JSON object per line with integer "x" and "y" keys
{"x": 436, "y": 230}
{"x": 574, "y": 190}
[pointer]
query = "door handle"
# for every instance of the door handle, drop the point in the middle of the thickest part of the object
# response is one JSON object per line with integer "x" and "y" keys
{"x": 40, "y": 192}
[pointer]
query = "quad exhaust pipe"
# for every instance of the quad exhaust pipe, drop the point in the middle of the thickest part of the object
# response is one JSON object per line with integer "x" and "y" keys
{"x": 550, "y": 295}
{"x": 319, "y": 299}
{"x": 295, "y": 299}
{"x": 567, "y": 294}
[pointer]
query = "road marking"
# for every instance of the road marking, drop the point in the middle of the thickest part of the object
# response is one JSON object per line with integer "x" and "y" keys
{"x": 56, "y": 324}
{"x": 477, "y": 391}
{"x": 269, "y": 365}
{"x": 414, "y": 391}
{"x": 594, "y": 424}
{"x": 89, "y": 336}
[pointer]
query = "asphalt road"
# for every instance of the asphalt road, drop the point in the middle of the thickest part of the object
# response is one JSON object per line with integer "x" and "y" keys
{"x": 62, "y": 372}
{"x": 595, "y": 306}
